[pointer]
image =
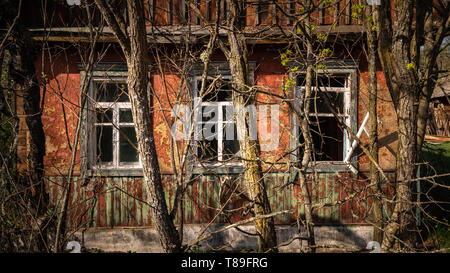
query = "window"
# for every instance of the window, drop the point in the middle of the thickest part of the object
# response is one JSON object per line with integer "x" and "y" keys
{"x": 113, "y": 143}
{"x": 331, "y": 142}
{"x": 216, "y": 134}
{"x": 262, "y": 11}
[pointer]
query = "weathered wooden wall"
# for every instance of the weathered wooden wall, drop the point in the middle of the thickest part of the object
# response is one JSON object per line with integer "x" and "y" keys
{"x": 107, "y": 202}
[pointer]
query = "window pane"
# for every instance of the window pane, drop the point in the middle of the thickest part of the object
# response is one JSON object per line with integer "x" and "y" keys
{"x": 208, "y": 146}
{"x": 324, "y": 81}
{"x": 332, "y": 81}
{"x": 230, "y": 142}
{"x": 209, "y": 131}
{"x": 263, "y": 12}
{"x": 318, "y": 103}
{"x": 210, "y": 113}
{"x": 228, "y": 115}
{"x": 221, "y": 91}
{"x": 111, "y": 91}
{"x": 104, "y": 115}
{"x": 207, "y": 150}
{"x": 104, "y": 143}
{"x": 127, "y": 153}
{"x": 125, "y": 115}
{"x": 327, "y": 138}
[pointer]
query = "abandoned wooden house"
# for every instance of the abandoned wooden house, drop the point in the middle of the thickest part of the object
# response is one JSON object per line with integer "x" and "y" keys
{"x": 107, "y": 199}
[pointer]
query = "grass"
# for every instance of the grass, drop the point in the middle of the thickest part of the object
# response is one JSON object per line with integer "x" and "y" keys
{"x": 438, "y": 156}
{"x": 440, "y": 236}
{"x": 438, "y": 159}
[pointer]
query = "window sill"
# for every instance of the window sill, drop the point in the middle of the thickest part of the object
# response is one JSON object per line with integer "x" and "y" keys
{"x": 211, "y": 169}
{"x": 137, "y": 172}
{"x": 115, "y": 172}
{"x": 329, "y": 167}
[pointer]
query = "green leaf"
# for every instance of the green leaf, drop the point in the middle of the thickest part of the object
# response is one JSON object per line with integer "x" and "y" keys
{"x": 410, "y": 66}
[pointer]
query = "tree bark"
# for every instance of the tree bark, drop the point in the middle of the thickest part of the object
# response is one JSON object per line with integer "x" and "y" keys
{"x": 249, "y": 149}
{"x": 399, "y": 70}
{"x": 141, "y": 101}
{"x": 135, "y": 47}
{"x": 305, "y": 101}
{"x": 374, "y": 176}
{"x": 306, "y": 158}
{"x": 24, "y": 76}
{"x": 402, "y": 221}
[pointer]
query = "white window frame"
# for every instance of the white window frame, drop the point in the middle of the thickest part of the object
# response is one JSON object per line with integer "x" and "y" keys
{"x": 115, "y": 107}
{"x": 347, "y": 115}
{"x": 220, "y": 123}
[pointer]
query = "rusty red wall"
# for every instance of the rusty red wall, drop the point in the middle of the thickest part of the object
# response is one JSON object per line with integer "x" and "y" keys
{"x": 387, "y": 124}
{"x": 61, "y": 80}
{"x": 112, "y": 207}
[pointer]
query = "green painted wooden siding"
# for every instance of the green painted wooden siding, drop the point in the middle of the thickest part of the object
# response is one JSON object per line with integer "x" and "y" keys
{"x": 119, "y": 201}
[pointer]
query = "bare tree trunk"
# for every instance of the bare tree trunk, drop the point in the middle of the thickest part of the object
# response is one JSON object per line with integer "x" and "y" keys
{"x": 249, "y": 149}
{"x": 133, "y": 41}
{"x": 306, "y": 159}
{"x": 399, "y": 70}
{"x": 402, "y": 221}
{"x": 24, "y": 75}
{"x": 377, "y": 211}
{"x": 305, "y": 101}
{"x": 432, "y": 40}
{"x": 142, "y": 107}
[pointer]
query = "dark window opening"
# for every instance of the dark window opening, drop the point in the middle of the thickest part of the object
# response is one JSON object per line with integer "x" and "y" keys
{"x": 327, "y": 135}
{"x": 263, "y": 9}
{"x": 328, "y": 139}
{"x": 216, "y": 121}
{"x": 216, "y": 91}
{"x": 115, "y": 136}
{"x": 128, "y": 152}
{"x": 318, "y": 103}
{"x": 325, "y": 81}
{"x": 111, "y": 92}
{"x": 104, "y": 144}
{"x": 230, "y": 143}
